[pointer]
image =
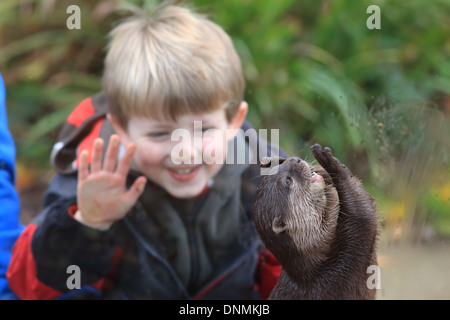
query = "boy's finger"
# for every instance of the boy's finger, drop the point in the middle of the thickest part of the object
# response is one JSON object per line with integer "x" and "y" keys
{"x": 136, "y": 189}
{"x": 83, "y": 170}
{"x": 125, "y": 162}
{"x": 109, "y": 163}
{"x": 96, "y": 160}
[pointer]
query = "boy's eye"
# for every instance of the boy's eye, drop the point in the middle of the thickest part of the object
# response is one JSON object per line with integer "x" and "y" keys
{"x": 159, "y": 134}
{"x": 204, "y": 129}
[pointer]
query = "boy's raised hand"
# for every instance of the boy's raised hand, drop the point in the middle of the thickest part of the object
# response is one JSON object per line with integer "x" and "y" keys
{"x": 102, "y": 193}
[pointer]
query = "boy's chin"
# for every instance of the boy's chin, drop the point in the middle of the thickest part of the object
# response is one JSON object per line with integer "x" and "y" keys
{"x": 186, "y": 192}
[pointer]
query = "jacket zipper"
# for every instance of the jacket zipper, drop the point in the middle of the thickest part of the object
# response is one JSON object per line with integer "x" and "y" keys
{"x": 193, "y": 248}
{"x": 189, "y": 222}
{"x": 163, "y": 261}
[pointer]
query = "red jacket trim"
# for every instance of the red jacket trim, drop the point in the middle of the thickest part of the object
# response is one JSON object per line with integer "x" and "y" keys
{"x": 83, "y": 111}
{"x": 88, "y": 142}
{"x": 21, "y": 273}
{"x": 269, "y": 270}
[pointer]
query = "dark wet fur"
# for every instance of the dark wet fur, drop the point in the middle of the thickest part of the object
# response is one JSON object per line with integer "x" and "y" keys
{"x": 336, "y": 268}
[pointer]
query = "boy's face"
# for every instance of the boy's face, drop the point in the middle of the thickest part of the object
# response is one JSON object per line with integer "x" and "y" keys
{"x": 159, "y": 158}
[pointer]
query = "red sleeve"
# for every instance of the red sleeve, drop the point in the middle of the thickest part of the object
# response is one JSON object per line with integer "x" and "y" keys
{"x": 22, "y": 275}
{"x": 269, "y": 270}
{"x": 21, "y": 272}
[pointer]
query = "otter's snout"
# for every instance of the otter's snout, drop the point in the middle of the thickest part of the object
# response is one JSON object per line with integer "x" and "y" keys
{"x": 297, "y": 168}
{"x": 293, "y": 160}
{"x": 295, "y": 163}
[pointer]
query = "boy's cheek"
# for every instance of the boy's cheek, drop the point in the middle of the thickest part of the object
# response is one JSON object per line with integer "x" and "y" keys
{"x": 146, "y": 156}
{"x": 214, "y": 146}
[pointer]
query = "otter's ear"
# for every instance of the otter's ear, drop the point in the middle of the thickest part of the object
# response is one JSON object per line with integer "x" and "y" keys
{"x": 278, "y": 224}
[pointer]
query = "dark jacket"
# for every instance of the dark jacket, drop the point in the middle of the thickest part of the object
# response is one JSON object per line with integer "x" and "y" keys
{"x": 159, "y": 250}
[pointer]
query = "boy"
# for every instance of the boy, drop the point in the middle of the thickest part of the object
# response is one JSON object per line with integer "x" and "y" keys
{"x": 123, "y": 219}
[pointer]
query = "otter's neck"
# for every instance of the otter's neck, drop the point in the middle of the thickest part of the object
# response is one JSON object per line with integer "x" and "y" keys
{"x": 303, "y": 268}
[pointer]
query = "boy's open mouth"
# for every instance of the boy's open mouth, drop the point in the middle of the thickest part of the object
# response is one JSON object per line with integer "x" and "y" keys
{"x": 184, "y": 174}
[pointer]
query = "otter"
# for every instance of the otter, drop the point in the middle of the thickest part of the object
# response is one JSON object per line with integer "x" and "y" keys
{"x": 321, "y": 225}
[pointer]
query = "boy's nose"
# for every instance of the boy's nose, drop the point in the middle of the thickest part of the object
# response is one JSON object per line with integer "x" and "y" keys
{"x": 191, "y": 153}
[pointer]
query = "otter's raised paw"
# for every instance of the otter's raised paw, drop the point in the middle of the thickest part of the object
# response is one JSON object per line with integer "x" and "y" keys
{"x": 326, "y": 159}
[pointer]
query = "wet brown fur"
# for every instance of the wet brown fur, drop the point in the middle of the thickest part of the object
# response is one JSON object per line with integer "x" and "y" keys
{"x": 324, "y": 246}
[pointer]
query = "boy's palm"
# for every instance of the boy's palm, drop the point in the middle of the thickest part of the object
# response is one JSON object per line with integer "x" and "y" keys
{"x": 102, "y": 193}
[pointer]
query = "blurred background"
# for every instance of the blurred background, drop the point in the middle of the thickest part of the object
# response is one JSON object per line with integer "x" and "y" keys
{"x": 379, "y": 98}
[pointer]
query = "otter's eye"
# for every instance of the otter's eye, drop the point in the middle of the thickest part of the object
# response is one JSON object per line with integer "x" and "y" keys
{"x": 288, "y": 181}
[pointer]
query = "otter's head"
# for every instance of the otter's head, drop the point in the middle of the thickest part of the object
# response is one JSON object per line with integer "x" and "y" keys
{"x": 296, "y": 208}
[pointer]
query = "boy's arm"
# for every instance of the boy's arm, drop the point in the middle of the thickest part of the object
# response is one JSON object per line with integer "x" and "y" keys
{"x": 75, "y": 231}
{"x": 42, "y": 257}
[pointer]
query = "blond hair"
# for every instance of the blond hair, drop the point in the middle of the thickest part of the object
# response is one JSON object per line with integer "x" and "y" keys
{"x": 170, "y": 63}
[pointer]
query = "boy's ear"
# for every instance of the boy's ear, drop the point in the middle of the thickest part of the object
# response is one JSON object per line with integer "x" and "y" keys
{"x": 123, "y": 134}
{"x": 238, "y": 119}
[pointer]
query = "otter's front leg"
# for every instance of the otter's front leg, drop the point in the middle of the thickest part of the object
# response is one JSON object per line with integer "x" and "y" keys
{"x": 357, "y": 229}
{"x": 353, "y": 198}
{"x": 331, "y": 164}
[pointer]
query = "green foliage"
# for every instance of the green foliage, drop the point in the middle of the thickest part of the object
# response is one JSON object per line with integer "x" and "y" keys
{"x": 438, "y": 204}
{"x": 47, "y": 68}
{"x": 319, "y": 69}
